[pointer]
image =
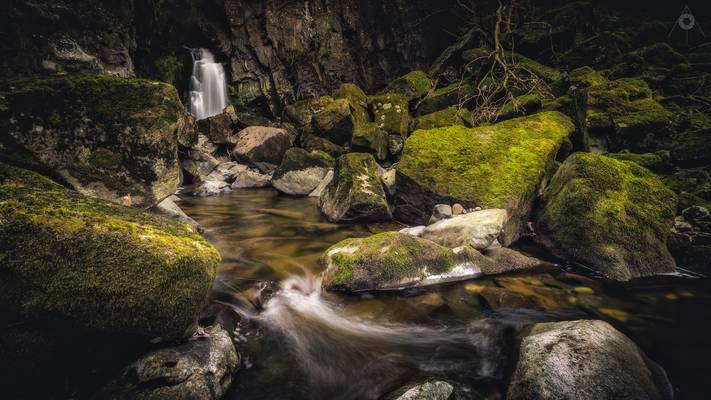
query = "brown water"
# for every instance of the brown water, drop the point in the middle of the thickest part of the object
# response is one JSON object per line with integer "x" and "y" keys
{"x": 306, "y": 344}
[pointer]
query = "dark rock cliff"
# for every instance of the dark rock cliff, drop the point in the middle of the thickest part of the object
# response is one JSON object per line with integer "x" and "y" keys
{"x": 276, "y": 51}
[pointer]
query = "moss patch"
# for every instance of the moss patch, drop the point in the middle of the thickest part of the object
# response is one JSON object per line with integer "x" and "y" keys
{"x": 391, "y": 113}
{"x": 384, "y": 261}
{"x": 447, "y": 117}
{"x": 78, "y": 260}
{"x": 121, "y": 134}
{"x": 497, "y": 166}
{"x": 613, "y": 216}
{"x": 412, "y": 85}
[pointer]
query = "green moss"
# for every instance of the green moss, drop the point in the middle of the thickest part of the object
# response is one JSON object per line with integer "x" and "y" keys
{"x": 369, "y": 137}
{"x": 116, "y": 131}
{"x": 521, "y": 105}
{"x": 352, "y": 93}
{"x": 382, "y": 261}
{"x": 391, "y": 113}
{"x": 493, "y": 166}
{"x": 444, "y": 97}
{"x": 413, "y": 85}
{"x": 96, "y": 264}
{"x": 296, "y": 159}
{"x": 611, "y": 215}
{"x": 355, "y": 193}
{"x": 658, "y": 161}
{"x": 447, "y": 117}
{"x": 586, "y": 77}
{"x": 169, "y": 69}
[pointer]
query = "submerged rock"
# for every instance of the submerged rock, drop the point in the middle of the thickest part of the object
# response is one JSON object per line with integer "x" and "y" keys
{"x": 505, "y": 260}
{"x": 106, "y": 137}
{"x": 355, "y": 193}
{"x": 393, "y": 260}
{"x": 262, "y": 147}
{"x": 211, "y": 187}
{"x": 301, "y": 172}
{"x": 113, "y": 263}
{"x": 584, "y": 360}
{"x": 612, "y": 216}
{"x": 477, "y": 229}
{"x": 497, "y": 166}
{"x": 201, "y": 368}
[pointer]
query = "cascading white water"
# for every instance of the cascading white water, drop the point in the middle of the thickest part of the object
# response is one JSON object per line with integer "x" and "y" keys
{"x": 208, "y": 85}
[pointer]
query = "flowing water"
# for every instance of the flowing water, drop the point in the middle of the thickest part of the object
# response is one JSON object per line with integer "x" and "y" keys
{"x": 208, "y": 85}
{"x": 298, "y": 342}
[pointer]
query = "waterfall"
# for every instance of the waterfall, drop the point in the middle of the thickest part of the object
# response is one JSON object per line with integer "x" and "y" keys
{"x": 208, "y": 85}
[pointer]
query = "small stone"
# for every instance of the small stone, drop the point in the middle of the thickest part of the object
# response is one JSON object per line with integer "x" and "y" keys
{"x": 440, "y": 212}
{"x": 458, "y": 209}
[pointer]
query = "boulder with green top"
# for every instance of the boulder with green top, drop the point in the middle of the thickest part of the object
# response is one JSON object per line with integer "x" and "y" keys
{"x": 354, "y": 94}
{"x": 335, "y": 121}
{"x": 355, "y": 193}
{"x": 609, "y": 215}
{"x": 370, "y": 138}
{"x": 521, "y": 105}
{"x": 392, "y": 260}
{"x": 77, "y": 265}
{"x": 444, "y": 97}
{"x": 447, "y": 117}
{"x": 497, "y": 166}
{"x": 624, "y": 112}
{"x": 300, "y": 171}
{"x": 106, "y": 137}
{"x": 390, "y": 112}
{"x": 659, "y": 161}
{"x": 412, "y": 85}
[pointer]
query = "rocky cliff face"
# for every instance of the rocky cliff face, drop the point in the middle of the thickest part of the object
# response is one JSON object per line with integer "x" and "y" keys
{"x": 276, "y": 51}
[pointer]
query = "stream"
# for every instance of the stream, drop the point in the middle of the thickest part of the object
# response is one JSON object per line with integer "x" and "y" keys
{"x": 298, "y": 342}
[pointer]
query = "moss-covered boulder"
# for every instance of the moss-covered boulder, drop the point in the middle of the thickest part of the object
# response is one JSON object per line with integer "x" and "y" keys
{"x": 72, "y": 263}
{"x": 612, "y": 216}
{"x": 659, "y": 161}
{"x": 355, "y": 193}
{"x": 392, "y": 260}
{"x": 328, "y": 117}
{"x": 300, "y": 171}
{"x": 390, "y": 112}
{"x": 311, "y": 142}
{"x": 497, "y": 166}
{"x": 623, "y": 112}
{"x": 442, "y": 98}
{"x": 519, "y": 106}
{"x": 412, "y": 85}
{"x": 370, "y": 138}
{"x": 106, "y": 137}
{"x": 447, "y": 117}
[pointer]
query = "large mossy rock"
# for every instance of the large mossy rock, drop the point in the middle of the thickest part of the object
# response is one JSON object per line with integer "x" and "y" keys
{"x": 622, "y": 113}
{"x": 447, "y": 117}
{"x": 612, "y": 216}
{"x": 497, "y": 166}
{"x": 72, "y": 262}
{"x": 328, "y": 117}
{"x": 355, "y": 193}
{"x": 300, "y": 171}
{"x": 107, "y": 137}
{"x": 394, "y": 260}
{"x": 390, "y": 112}
{"x": 586, "y": 360}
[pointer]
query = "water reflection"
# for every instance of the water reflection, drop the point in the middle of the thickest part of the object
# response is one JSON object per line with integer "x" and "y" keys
{"x": 302, "y": 343}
